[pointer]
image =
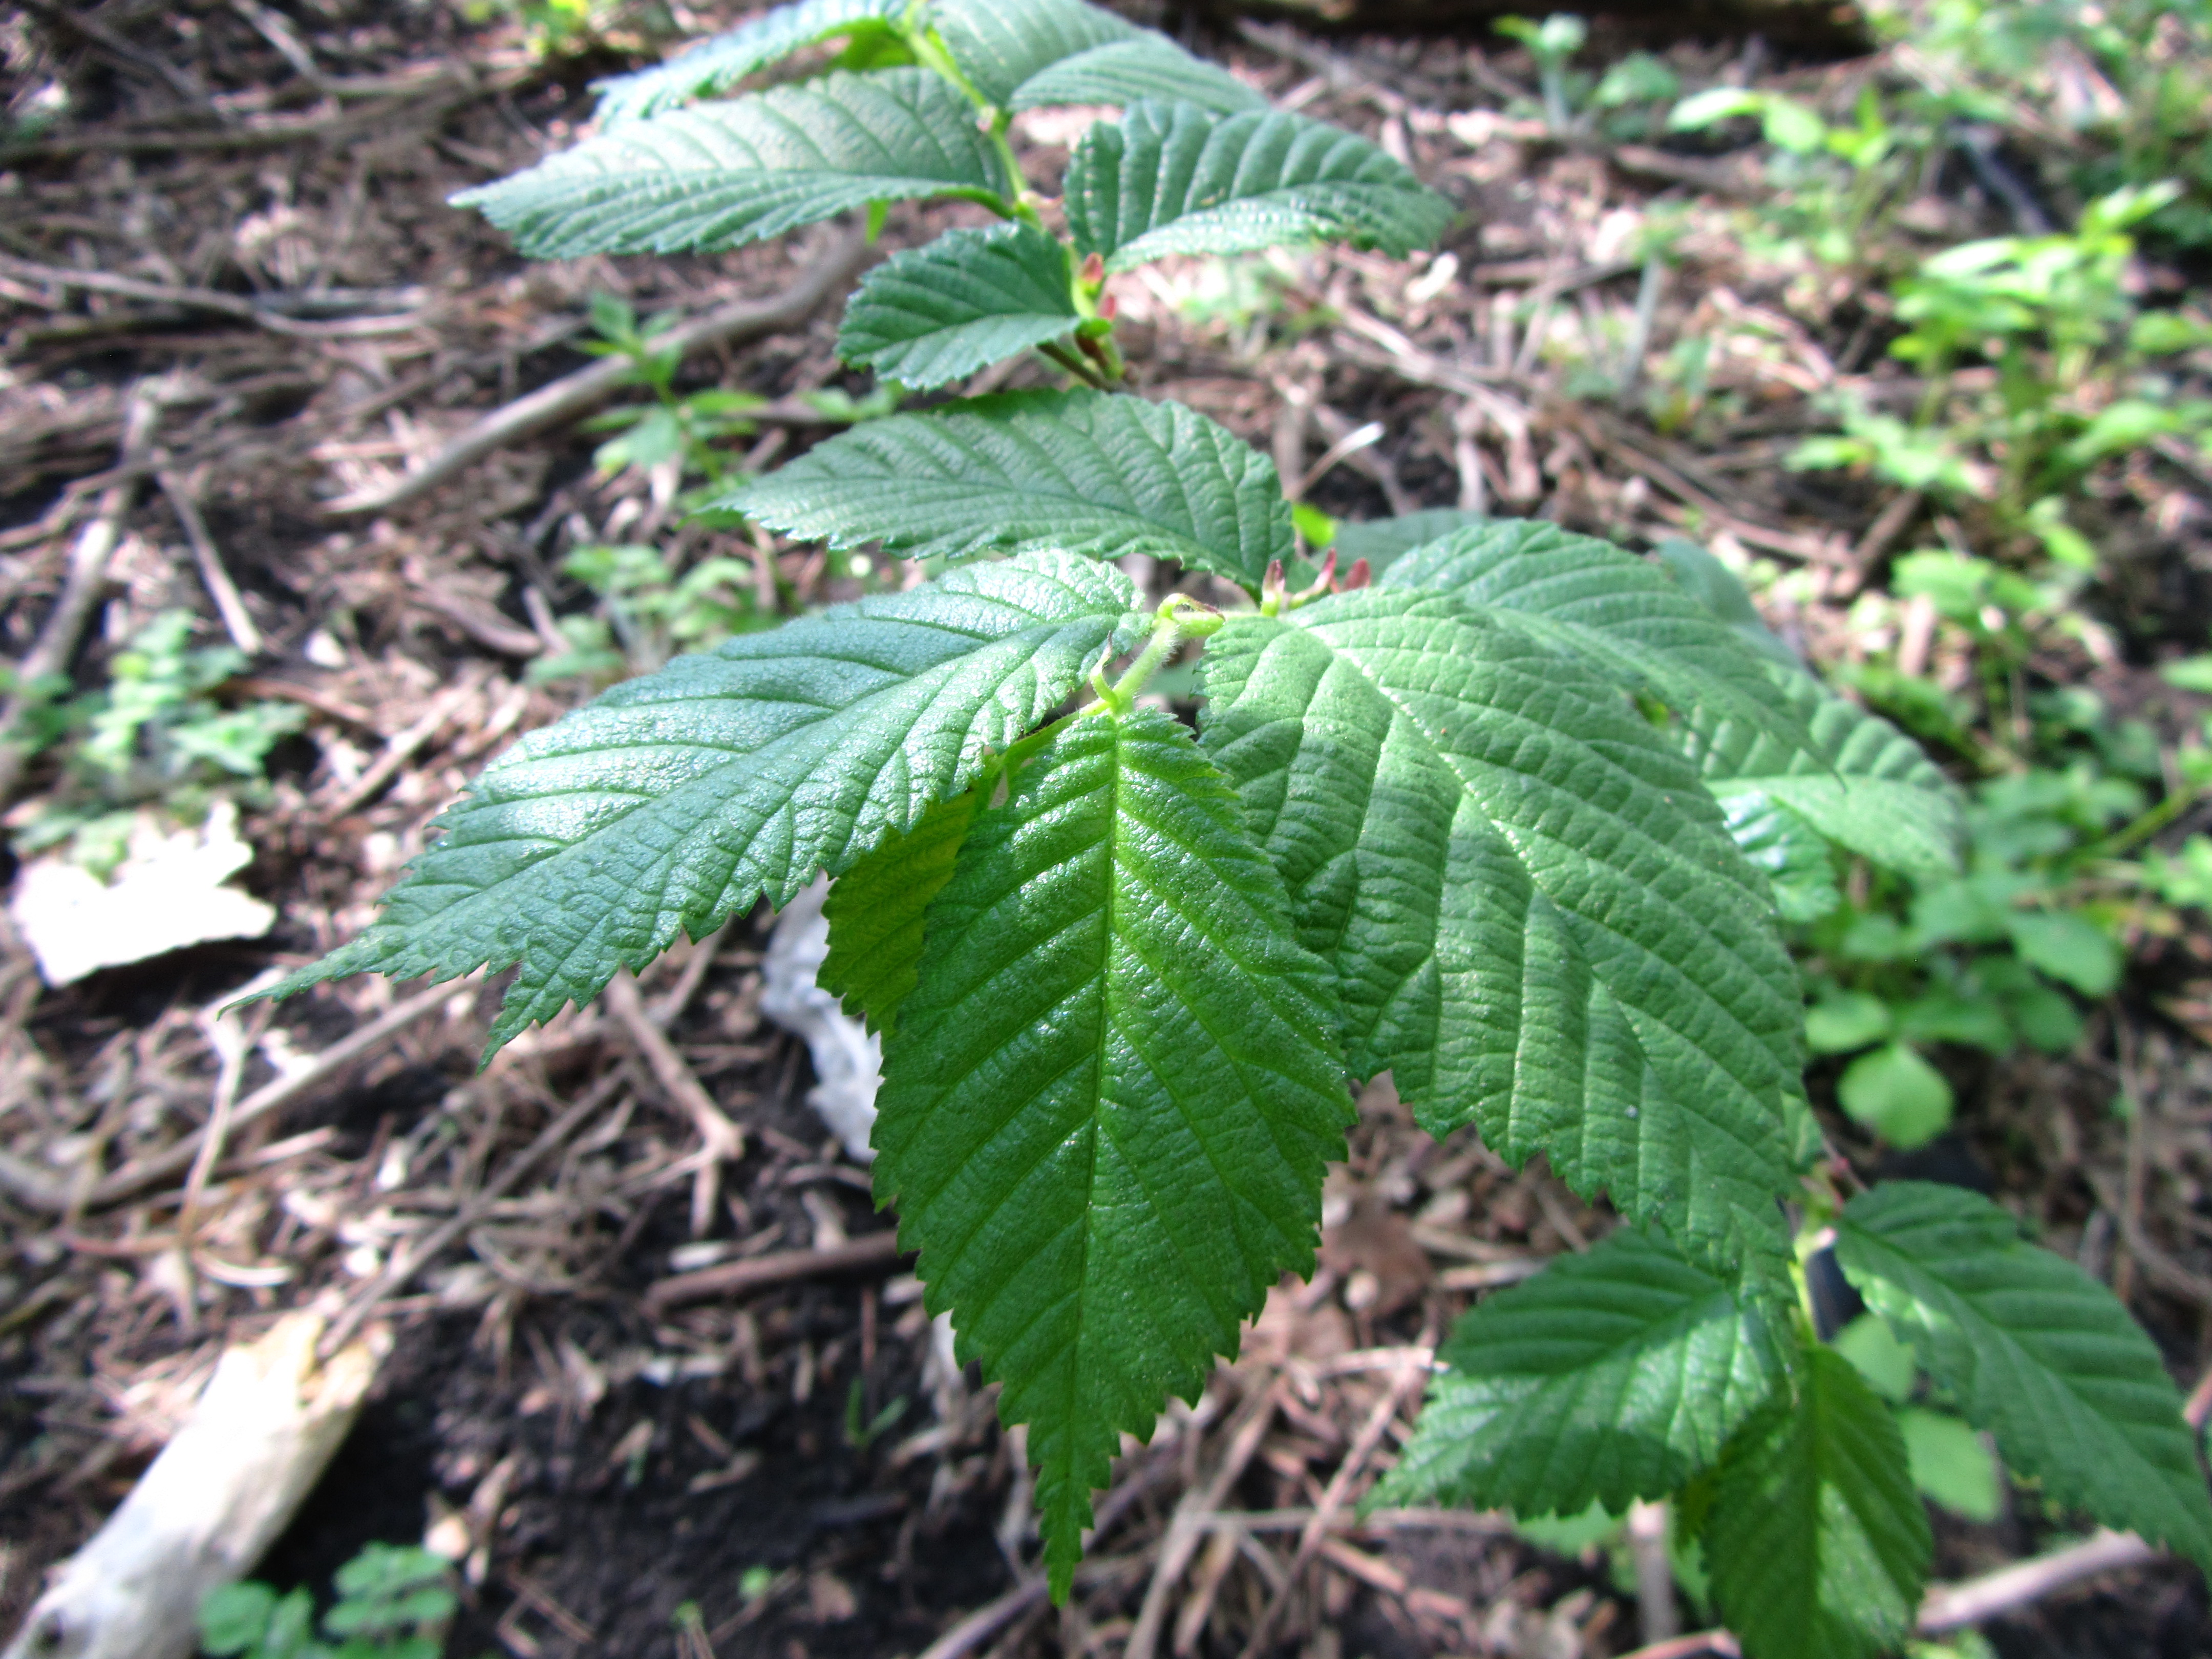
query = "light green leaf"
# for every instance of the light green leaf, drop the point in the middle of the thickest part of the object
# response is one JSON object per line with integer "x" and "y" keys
{"x": 1846, "y": 1020}
{"x": 1381, "y": 541}
{"x": 1897, "y": 1095}
{"x": 1607, "y": 1377}
{"x": 1713, "y": 106}
{"x": 1110, "y": 1098}
{"x": 1949, "y": 1462}
{"x": 721, "y": 174}
{"x": 1147, "y": 65}
{"x": 1537, "y": 919}
{"x": 2034, "y": 1351}
{"x": 1175, "y": 178}
{"x": 1860, "y": 782}
{"x": 2070, "y": 948}
{"x": 1083, "y": 471}
{"x": 875, "y": 912}
{"x": 1624, "y": 616}
{"x": 676, "y": 800}
{"x": 1795, "y": 858}
{"x": 723, "y": 60}
{"x": 2189, "y": 673}
{"x": 1876, "y": 1353}
{"x": 1001, "y": 43}
{"x": 935, "y": 314}
{"x": 1818, "y": 1544}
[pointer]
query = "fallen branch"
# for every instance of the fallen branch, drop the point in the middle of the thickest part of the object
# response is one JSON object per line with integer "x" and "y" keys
{"x": 870, "y": 1250}
{"x": 1954, "y": 1607}
{"x": 572, "y": 394}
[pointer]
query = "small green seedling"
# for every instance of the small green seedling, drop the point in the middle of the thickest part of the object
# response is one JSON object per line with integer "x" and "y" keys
{"x": 394, "y": 1601}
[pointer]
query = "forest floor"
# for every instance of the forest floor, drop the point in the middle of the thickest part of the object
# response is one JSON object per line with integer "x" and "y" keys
{"x": 237, "y": 312}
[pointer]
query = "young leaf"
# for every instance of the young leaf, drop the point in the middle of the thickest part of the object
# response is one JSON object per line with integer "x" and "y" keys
{"x": 1859, "y": 782}
{"x": 1109, "y": 1097}
{"x": 723, "y": 60}
{"x": 1147, "y": 65}
{"x": 2036, "y": 1352}
{"x": 999, "y": 44}
{"x": 938, "y": 314}
{"x": 1817, "y": 1543}
{"x": 1607, "y": 1377}
{"x": 725, "y": 174}
{"x": 1083, "y": 471}
{"x": 875, "y": 912}
{"x": 1176, "y": 178}
{"x": 1622, "y": 615}
{"x": 1536, "y": 917}
{"x": 677, "y": 800}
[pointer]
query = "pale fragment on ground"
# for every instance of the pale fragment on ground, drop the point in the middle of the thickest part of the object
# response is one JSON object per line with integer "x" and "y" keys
{"x": 848, "y": 1057}
{"x": 169, "y": 891}
{"x": 210, "y": 1504}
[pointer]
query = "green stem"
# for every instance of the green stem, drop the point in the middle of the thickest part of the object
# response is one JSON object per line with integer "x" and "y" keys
{"x": 929, "y": 51}
{"x": 2141, "y": 828}
{"x": 1179, "y": 619}
{"x": 1072, "y": 363}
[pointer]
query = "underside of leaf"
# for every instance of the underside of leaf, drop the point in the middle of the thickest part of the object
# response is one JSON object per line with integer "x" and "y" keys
{"x": 1537, "y": 919}
{"x": 1818, "y": 1544}
{"x": 1110, "y": 1098}
{"x": 936, "y": 315}
{"x": 1176, "y": 178}
{"x": 2036, "y": 1352}
{"x": 720, "y": 174}
{"x": 1608, "y": 1377}
{"x": 723, "y": 60}
{"x": 1083, "y": 471}
{"x": 678, "y": 799}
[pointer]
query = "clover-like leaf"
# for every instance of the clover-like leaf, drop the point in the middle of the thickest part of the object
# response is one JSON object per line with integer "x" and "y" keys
{"x": 938, "y": 314}
{"x": 1608, "y": 1377}
{"x": 678, "y": 799}
{"x": 2036, "y": 1352}
{"x": 1537, "y": 922}
{"x": 1083, "y": 471}
{"x": 1817, "y": 1542}
{"x": 720, "y": 175}
{"x": 1177, "y": 178}
{"x": 1109, "y": 1096}
{"x": 725, "y": 59}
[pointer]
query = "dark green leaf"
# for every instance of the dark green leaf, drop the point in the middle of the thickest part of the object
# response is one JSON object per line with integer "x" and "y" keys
{"x": 678, "y": 799}
{"x": 1001, "y": 44}
{"x": 1084, "y": 470}
{"x": 1607, "y": 1377}
{"x": 1381, "y": 541}
{"x": 1146, "y": 66}
{"x": 875, "y": 912}
{"x": 1176, "y": 178}
{"x": 935, "y": 314}
{"x": 1715, "y": 587}
{"x": 1537, "y": 919}
{"x": 1818, "y": 1544}
{"x": 1109, "y": 1097}
{"x": 2036, "y": 1352}
{"x": 725, "y": 174}
{"x": 723, "y": 60}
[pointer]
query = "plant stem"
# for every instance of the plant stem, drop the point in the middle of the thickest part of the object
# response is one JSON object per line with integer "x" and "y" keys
{"x": 1180, "y": 618}
{"x": 1062, "y": 358}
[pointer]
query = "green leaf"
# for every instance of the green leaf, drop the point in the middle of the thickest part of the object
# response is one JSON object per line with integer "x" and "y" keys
{"x": 1949, "y": 1462}
{"x": 1110, "y": 1097}
{"x": 723, "y": 60}
{"x": 722, "y": 174}
{"x": 1001, "y": 43}
{"x": 875, "y": 912}
{"x": 1175, "y": 178}
{"x": 1818, "y": 1544}
{"x": 1846, "y": 1020}
{"x": 1083, "y": 471}
{"x": 1147, "y": 65}
{"x": 2070, "y": 948}
{"x": 1380, "y": 541}
{"x": 1795, "y": 858}
{"x": 1885, "y": 1364}
{"x": 2036, "y": 1352}
{"x": 1537, "y": 919}
{"x": 935, "y": 314}
{"x": 1607, "y": 1377}
{"x": 1622, "y": 615}
{"x": 678, "y": 799}
{"x": 1717, "y": 588}
{"x": 1897, "y": 1095}
{"x": 1860, "y": 782}
{"x": 233, "y": 1617}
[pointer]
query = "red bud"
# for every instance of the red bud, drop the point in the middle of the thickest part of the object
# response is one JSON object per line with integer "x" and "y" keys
{"x": 1356, "y": 578}
{"x": 1093, "y": 269}
{"x": 1108, "y": 307}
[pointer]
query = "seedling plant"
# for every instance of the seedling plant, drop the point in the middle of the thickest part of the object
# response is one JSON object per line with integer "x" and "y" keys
{"x": 1476, "y": 803}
